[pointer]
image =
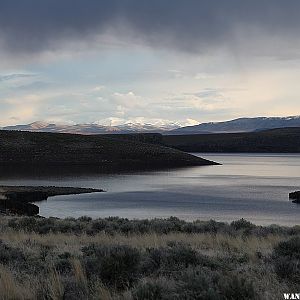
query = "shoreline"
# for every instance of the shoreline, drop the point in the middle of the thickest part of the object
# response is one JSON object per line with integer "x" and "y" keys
{"x": 20, "y": 199}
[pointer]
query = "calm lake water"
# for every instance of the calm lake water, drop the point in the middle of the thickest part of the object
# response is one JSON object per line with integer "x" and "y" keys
{"x": 251, "y": 186}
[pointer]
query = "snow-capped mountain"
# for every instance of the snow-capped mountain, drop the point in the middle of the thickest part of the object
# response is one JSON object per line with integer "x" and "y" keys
{"x": 237, "y": 125}
{"x": 93, "y": 128}
{"x": 240, "y": 125}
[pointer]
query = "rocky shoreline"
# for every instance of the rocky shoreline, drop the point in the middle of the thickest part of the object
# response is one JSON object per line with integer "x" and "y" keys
{"x": 295, "y": 196}
{"x": 19, "y": 199}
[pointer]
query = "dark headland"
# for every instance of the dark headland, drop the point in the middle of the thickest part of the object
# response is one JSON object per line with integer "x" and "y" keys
{"x": 18, "y": 199}
{"x": 55, "y": 149}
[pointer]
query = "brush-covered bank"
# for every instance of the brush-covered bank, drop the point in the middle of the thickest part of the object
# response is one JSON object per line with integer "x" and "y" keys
{"x": 282, "y": 140}
{"x": 117, "y": 258}
{"x": 55, "y": 150}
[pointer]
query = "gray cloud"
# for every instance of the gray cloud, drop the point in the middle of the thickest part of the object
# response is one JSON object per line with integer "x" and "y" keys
{"x": 208, "y": 93}
{"x": 33, "y": 26}
{"x": 14, "y": 76}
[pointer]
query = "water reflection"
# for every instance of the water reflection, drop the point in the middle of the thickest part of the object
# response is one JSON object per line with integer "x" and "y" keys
{"x": 253, "y": 186}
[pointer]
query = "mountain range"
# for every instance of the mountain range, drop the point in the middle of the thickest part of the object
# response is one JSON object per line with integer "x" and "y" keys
{"x": 232, "y": 126}
{"x": 240, "y": 125}
{"x": 89, "y": 129}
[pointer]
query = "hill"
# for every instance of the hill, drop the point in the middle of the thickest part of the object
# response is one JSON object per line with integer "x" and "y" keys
{"x": 284, "y": 140}
{"x": 35, "y": 149}
{"x": 240, "y": 125}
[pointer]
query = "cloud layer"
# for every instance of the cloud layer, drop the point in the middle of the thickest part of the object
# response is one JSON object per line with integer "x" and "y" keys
{"x": 180, "y": 60}
{"x": 193, "y": 25}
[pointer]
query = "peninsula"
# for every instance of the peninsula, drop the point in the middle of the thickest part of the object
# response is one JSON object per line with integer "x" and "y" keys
{"x": 18, "y": 199}
{"x": 53, "y": 149}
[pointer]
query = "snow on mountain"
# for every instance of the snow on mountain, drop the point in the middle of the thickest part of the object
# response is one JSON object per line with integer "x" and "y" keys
{"x": 237, "y": 125}
{"x": 93, "y": 128}
{"x": 240, "y": 125}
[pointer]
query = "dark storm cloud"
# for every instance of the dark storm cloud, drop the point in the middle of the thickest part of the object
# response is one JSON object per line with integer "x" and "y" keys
{"x": 37, "y": 25}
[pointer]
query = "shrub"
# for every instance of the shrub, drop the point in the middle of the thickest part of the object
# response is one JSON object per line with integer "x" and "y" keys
{"x": 287, "y": 268}
{"x": 198, "y": 283}
{"x": 98, "y": 225}
{"x": 180, "y": 254}
{"x": 74, "y": 290}
{"x": 63, "y": 263}
{"x": 237, "y": 287}
{"x": 204, "y": 283}
{"x": 290, "y": 248}
{"x": 85, "y": 219}
{"x": 242, "y": 224}
{"x": 175, "y": 257}
{"x": 9, "y": 254}
{"x": 166, "y": 259}
{"x": 115, "y": 265}
{"x": 44, "y": 226}
{"x": 213, "y": 226}
{"x": 45, "y": 251}
{"x": 287, "y": 259}
{"x": 154, "y": 289}
{"x": 25, "y": 223}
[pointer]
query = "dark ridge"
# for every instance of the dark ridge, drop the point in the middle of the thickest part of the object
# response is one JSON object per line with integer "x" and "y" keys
{"x": 283, "y": 140}
{"x": 150, "y": 138}
{"x": 19, "y": 148}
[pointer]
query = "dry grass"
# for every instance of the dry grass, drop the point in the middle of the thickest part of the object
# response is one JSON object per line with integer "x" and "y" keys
{"x": 248, "y": 255}
{"x": 80, "y": 274}
{"x": 56, "y": 288}
{"x": 10, "y": 288}
{"x": 101, "y": 292}
{"x": 204, "y": 243}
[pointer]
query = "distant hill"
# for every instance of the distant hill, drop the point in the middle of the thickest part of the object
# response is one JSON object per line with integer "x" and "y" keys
{"x": 90, "y": 129}
{"x": 284, "y": 140}
{"x": 40, "y": 149}
{"x": 240, "y": 125}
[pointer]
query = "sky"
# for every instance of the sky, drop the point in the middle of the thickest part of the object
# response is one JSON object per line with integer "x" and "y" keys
{"x": 141, "y": 61}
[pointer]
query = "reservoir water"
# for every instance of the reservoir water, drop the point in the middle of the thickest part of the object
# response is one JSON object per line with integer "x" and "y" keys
{"x": 250, "y": 186}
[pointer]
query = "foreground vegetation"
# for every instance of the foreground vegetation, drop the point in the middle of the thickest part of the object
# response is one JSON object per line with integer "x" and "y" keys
{"x": 117, "y": 258}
